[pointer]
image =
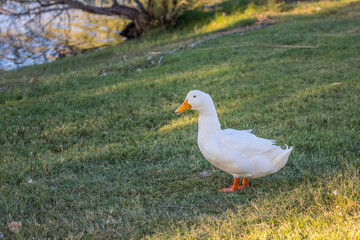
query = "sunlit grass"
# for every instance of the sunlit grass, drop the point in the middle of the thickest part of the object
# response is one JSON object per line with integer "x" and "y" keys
{"x": 246, "y": 13}
{"x": 329, "y": 211}
{"x": 178, "y": 124}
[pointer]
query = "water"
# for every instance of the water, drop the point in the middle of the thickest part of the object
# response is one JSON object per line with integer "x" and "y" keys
{"x": 25, "y": 42}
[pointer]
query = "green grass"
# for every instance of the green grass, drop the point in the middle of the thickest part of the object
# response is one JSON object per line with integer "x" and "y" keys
{"x": 109, "y": 159}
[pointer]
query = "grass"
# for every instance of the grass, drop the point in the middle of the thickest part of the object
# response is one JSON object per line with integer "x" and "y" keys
{"x": 109, "y": 159}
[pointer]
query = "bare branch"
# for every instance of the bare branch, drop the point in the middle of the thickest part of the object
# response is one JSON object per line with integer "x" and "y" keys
{"x": 33, "y": 11}
{"x": 123, "y": 10}
{"x": 151, "y": 3}
{"x": 150, "y": 7}
{"x": 52, "y": 19}
{"x": 139, "y": 16}
{"x": 115, "y": 9}
{"x": 4, "y": 11}
{"x": 140, "y": 6}
{"x": 24, "y": 1}
{"x": 46, "y": 5}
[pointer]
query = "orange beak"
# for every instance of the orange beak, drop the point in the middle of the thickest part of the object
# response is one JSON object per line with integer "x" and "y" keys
{"x": 183, "y": 108}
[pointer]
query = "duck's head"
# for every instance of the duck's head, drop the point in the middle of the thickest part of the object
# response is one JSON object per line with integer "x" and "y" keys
{"x": 195, "y": 100}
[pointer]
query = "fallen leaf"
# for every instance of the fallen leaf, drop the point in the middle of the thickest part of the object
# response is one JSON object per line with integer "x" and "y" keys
{"x": 14, "y": 226}
{"x": 32, "y": 80}
{"x": 335, "y": 83}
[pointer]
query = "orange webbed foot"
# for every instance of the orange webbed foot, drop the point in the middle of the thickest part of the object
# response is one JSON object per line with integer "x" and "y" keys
{"x": 236, "y": 186}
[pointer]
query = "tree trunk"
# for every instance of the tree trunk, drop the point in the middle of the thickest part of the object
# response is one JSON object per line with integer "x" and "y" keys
{"x": 130, "y": 31}
{"x": 139, "y": 19}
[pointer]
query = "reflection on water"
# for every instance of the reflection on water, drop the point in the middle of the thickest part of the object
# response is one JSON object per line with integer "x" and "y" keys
{"x": 24, "y": 43}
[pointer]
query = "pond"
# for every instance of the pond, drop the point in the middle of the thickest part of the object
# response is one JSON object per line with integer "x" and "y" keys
{"x": 25, "y": 42}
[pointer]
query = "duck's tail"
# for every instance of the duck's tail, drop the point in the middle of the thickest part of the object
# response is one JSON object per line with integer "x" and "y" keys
{"x": 282, "y": 158}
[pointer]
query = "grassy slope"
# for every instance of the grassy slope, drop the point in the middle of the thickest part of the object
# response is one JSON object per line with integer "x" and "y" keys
{"x": 109, "y": 159}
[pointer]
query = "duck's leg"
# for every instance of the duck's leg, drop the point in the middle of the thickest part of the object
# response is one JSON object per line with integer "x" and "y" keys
{"x": 245, "y": 183}
{"x": 235, "y": 186}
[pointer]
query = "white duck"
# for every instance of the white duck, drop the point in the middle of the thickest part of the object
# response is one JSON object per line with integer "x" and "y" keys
{"x": 239, "y": 153}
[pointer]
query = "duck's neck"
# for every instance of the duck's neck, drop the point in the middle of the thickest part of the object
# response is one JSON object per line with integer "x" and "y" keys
{"x": 209, "y": 124}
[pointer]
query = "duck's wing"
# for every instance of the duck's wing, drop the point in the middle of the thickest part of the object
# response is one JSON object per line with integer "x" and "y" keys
{"x": 248, "y": 145}
{"x": 260, "y": 156}
{"x": 233, "y": 131}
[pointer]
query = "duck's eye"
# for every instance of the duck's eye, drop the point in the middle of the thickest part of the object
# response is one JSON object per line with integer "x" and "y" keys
{"x": 194, "y": 96}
